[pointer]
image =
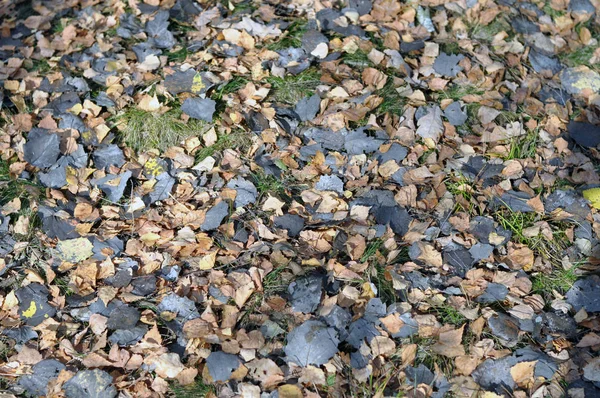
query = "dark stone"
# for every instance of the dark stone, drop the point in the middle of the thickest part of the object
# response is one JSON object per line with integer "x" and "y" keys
{"x": 221, "y": 365}
{"x": 94, "y": 383}
{"x": 306, "y": 293}
{"x": 294, "y": 224}
{"x": 585, "y": 293}
{"x": 42, "y": 148}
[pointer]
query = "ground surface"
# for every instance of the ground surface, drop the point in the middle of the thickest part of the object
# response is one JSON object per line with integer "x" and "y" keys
{"x": 297, "y": 198}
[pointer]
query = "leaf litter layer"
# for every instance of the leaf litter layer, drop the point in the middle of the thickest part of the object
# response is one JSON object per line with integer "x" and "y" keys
{"x": 352, "y": 198}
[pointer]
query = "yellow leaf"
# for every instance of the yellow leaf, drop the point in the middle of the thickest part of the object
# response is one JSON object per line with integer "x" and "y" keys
{"x": 29, "y": 312}
{"x": 197, "y": 84}
{"x": 150, "y": 238}
{"x": 593, "y": 195}
{"x": 207, "y": 262}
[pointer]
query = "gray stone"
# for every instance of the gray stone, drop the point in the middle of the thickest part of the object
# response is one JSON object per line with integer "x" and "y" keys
{"x": 128, "y": 337}
{"x": 312, "y": 343}
{"x": 215, "y": 216}
{"x": 113, "y": 185}
{"x": 306, "y": 293}
{"x": 123, "y": 317}
{"x": 505, "y": 328}
{"x": 308, "y": 107}
{"x": 42, "y": 372}
{"x": 158, "y": 31}
{"x": 246, "y": 191}
{"x": 575, "y": 80}
{"x": 357, "y": 143}
{"x": 330, "y": 183}
{"x": 581, "y": 7}
{"x": 270, "y": 329}
{"x": 360, "y": 331}
{"x": 182, "y": 306}
{"x": 447, "y": 65}
{"x": 94, "y": 383}
{"x": 585, "y": 293}
{"x": 42, "y": 148}
{"x": 293, "y": 223}
{"x": 55, "y": 178}
{"x": 455, "y": 114}
{"x": 395, "y": 152}
{"x": 494, "y": 375}
{"x": 584, "y": 134}
{"x": 493, "y": 292}
{"x": 569, "y": 201}
{"x": 110, "y": 155}
{"x": 541, "y": 62}
{"x": 221, "y": 365}
{"x": 481, "y": 251}
{"x": 311, "y": 39}
{"x": 199, "y": 108}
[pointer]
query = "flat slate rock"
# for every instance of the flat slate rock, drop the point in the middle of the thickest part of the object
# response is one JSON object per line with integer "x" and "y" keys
{"x": 54, "y": 178}
{"x": 158, "y": 30}
{"x": 330, "y": 183}
{"x": 455, "y": 114}
{"x": 214, "y": 217}
{"x": 109, "y": 155}
{"x": 505, "y": 328}
{"x": 293, "y": 223}
{"x": 199, "y": 108}
{"x": 585, "y": 134}
{"x": 162, "y": 188}
{"x": 33, "y": 304}
{"x": 123, "y": 317}
{"x": 311, "y": 39}
{"x": 570, "y": 201}
{"x": 312, "y": 343}
{"x": 542, "y": 63}
{"x": 221, "y": 365}
{"x": 575, "y": 80}
{"x": 493, "y": 292}
{"x": 246, "y": 191}
{"x": 494, "y": 375}
{"x": 182, "y": 306}
{"x": 308, "y": 107}
{"x": 447, "y": 65}
{"x": 585, "y": 293}
{"x": 306, "y": 293}
{"x": 42, "y": 148}
{"x": 128, "y": 337}
{"x": 113, "y": 185}
{"x": 94, "y": 383}
{"x": 36, "y": 383}
{"x": 481, "y": 251}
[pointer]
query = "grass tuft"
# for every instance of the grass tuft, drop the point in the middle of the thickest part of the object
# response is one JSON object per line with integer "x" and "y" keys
{"x": 233, "y": 85}
{"x": 196, "y": 390}
{"x": 461, "y": 186}
{"x": 523, "y": 147}
{"x": 292, "y": 37}
{"x": 392, "y": 101}
{"x": 142, "y": 130}
{"x": 268, "y": 184}
{"x": 358, "y": 59}
{"x": 27, "y": 191}
{"x": 178, "y": 56}
{"x": 516, "y": 222}
{"x": 449, "y": 315}
{"x": 560, "y": 280}
{"x": 238, "y": 139}
{"x": 291, "y": 89}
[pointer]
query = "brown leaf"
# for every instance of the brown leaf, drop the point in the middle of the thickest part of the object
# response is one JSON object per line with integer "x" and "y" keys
{"x": 450, "y": 343}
